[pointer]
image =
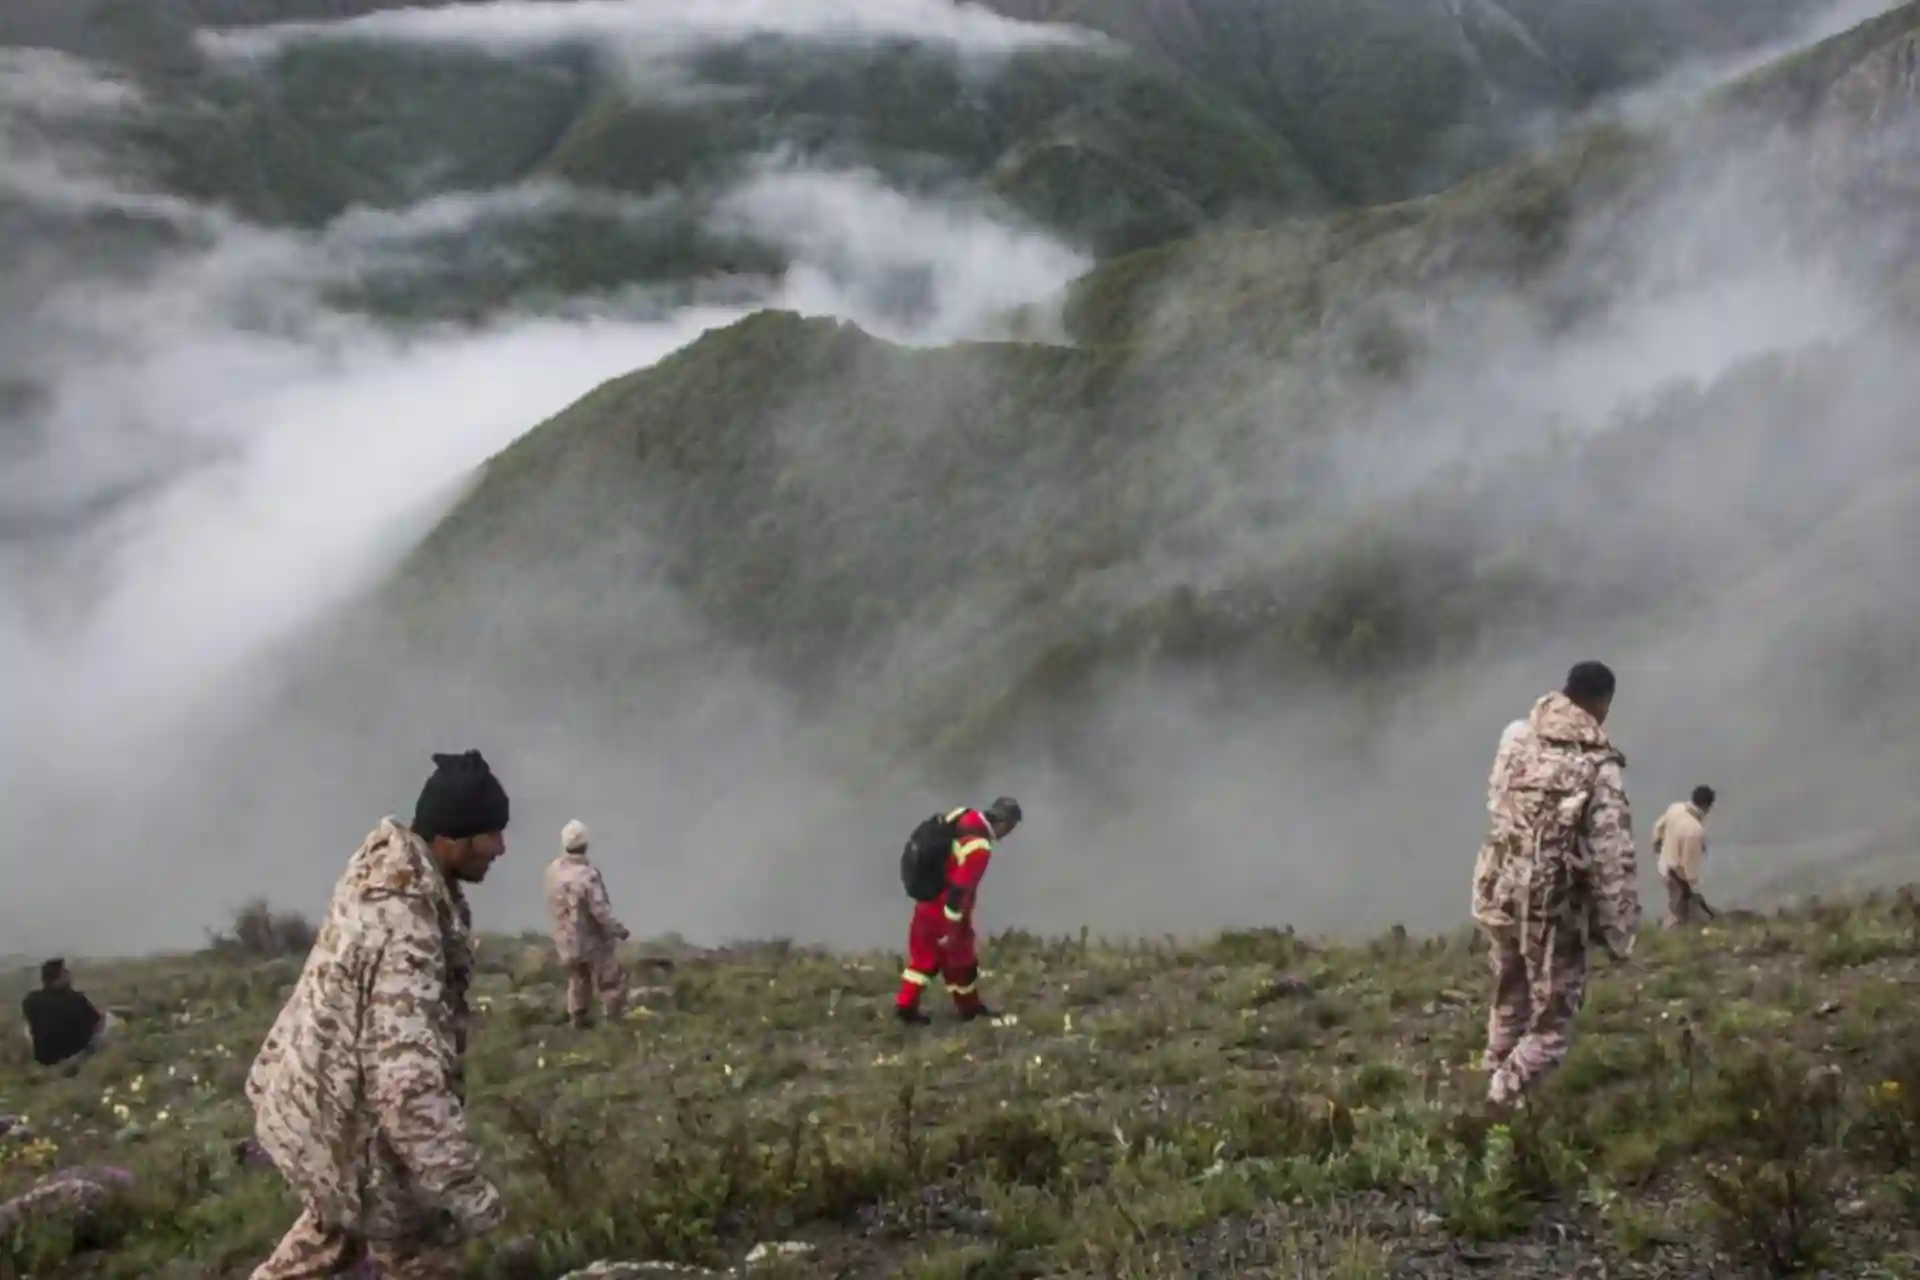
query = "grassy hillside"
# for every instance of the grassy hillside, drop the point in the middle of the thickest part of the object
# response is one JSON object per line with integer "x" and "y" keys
{"x": 1740, "y": 1101}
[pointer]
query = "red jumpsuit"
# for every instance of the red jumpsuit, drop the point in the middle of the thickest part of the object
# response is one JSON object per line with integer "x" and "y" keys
{"x": 940, "y": 940}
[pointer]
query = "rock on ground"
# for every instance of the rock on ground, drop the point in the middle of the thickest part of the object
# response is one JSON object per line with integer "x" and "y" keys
{"x": 80, "y": 1192}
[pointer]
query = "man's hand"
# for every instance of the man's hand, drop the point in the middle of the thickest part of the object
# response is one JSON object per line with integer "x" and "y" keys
{"x": 478, "y": 1210}
{"x": 520, "y": 1252}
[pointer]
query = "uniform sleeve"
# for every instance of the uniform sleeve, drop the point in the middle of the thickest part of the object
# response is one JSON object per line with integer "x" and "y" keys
{"x": 971, "y": 855}
{"x": 1659, "y": 832}
{"x": 408, "y": 1055}
{"x": 1615, "y": 870}
{"x": 600, "y": 907}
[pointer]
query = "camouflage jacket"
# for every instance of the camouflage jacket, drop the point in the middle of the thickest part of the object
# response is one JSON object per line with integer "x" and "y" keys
{"x": 358, "y": 1092}
{"x": 1497, "y": 777}
{"x": 583, "y": 920}
{"x": 1560, "y": 848}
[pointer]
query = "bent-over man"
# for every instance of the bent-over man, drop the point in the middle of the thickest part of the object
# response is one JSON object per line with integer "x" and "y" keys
{"x": 1680, "y": 840}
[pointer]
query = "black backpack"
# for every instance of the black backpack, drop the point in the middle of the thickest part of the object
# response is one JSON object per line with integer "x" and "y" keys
{"x": 923, "y": 863}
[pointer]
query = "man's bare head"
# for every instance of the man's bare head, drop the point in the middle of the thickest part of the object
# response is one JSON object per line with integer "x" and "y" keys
{"x": 1003, "y": 815}
{"x": 1590, "y": 687}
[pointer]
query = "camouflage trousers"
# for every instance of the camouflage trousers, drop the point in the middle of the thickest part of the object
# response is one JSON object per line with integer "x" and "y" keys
{"x": 309, "y": 1250}
{"x": 598, "y": 971}
{"x": 1539, "y": 981}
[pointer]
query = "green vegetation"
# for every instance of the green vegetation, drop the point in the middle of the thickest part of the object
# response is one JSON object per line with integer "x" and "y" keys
{"x": 1231, "y": 112}
{"x": 1740, "y": 1100}
{"x": 1180, "y": 503}
{"x": 1387, "y": 100}
{"x": 769, "y": 472}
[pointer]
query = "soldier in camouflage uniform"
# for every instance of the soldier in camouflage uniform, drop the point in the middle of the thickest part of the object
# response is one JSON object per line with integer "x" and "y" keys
{"x": 1557, "y": 868}
{"x": 358, "y": 1092}
{"x": 586, "y": 933}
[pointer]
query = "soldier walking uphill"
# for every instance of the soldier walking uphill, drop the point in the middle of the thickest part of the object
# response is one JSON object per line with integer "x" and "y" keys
{"x": 942, "y": 866}
{"x": 358, "y": 1093}
{"x": 1557, "y": 865}
{"x": 586, "y": 933}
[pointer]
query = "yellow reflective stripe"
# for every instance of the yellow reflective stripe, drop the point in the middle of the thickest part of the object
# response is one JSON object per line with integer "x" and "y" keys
{"x": 917, "y": 978}
{"x": 966, "y": 990}
{"x": 962, "y": 850}
{"x": 955, "y": 814}
{"x": 953, "y": 915}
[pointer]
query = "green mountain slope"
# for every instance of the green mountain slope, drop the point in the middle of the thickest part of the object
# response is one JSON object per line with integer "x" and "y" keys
{"x": 1219, "y": 111}
{"x": 1101, "y": 148}
{"x": 774, "y": 471}
{"x": 942, "y": 562}
{"x": 1388, "y": 99}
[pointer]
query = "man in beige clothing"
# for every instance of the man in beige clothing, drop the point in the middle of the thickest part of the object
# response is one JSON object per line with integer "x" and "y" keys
{"x": 1680, "y": 838}
{"x": 586, "y": 933}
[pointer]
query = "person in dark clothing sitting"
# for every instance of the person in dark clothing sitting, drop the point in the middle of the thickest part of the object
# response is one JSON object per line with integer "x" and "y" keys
{"x": 61, "y": 1022}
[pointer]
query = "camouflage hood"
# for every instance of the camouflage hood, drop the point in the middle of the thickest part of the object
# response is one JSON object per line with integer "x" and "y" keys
{"x": 395, "y": 863}
{"x": 1557, "y": 719}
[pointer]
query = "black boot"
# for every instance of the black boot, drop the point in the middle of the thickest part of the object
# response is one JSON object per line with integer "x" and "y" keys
{"x": 911, "y": 1017}
{"x": 978, "y": 1011}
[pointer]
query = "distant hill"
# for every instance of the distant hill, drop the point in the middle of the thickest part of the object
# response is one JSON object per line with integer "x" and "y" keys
{"x": 1251, "y": 481}
{"x": 1392, "y": 98}
{"x": 1220, "y": 111}
{"x": 1238, "y": 573}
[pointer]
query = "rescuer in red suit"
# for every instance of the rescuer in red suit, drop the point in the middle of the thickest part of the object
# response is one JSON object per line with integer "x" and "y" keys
{"x": 940, "y": 940}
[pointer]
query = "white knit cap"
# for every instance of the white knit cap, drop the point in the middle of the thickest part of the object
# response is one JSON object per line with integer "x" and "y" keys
{"x": 573, "y": 836}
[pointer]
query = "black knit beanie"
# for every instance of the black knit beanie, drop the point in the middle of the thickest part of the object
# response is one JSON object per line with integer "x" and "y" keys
{"x": 461, "y": 799}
